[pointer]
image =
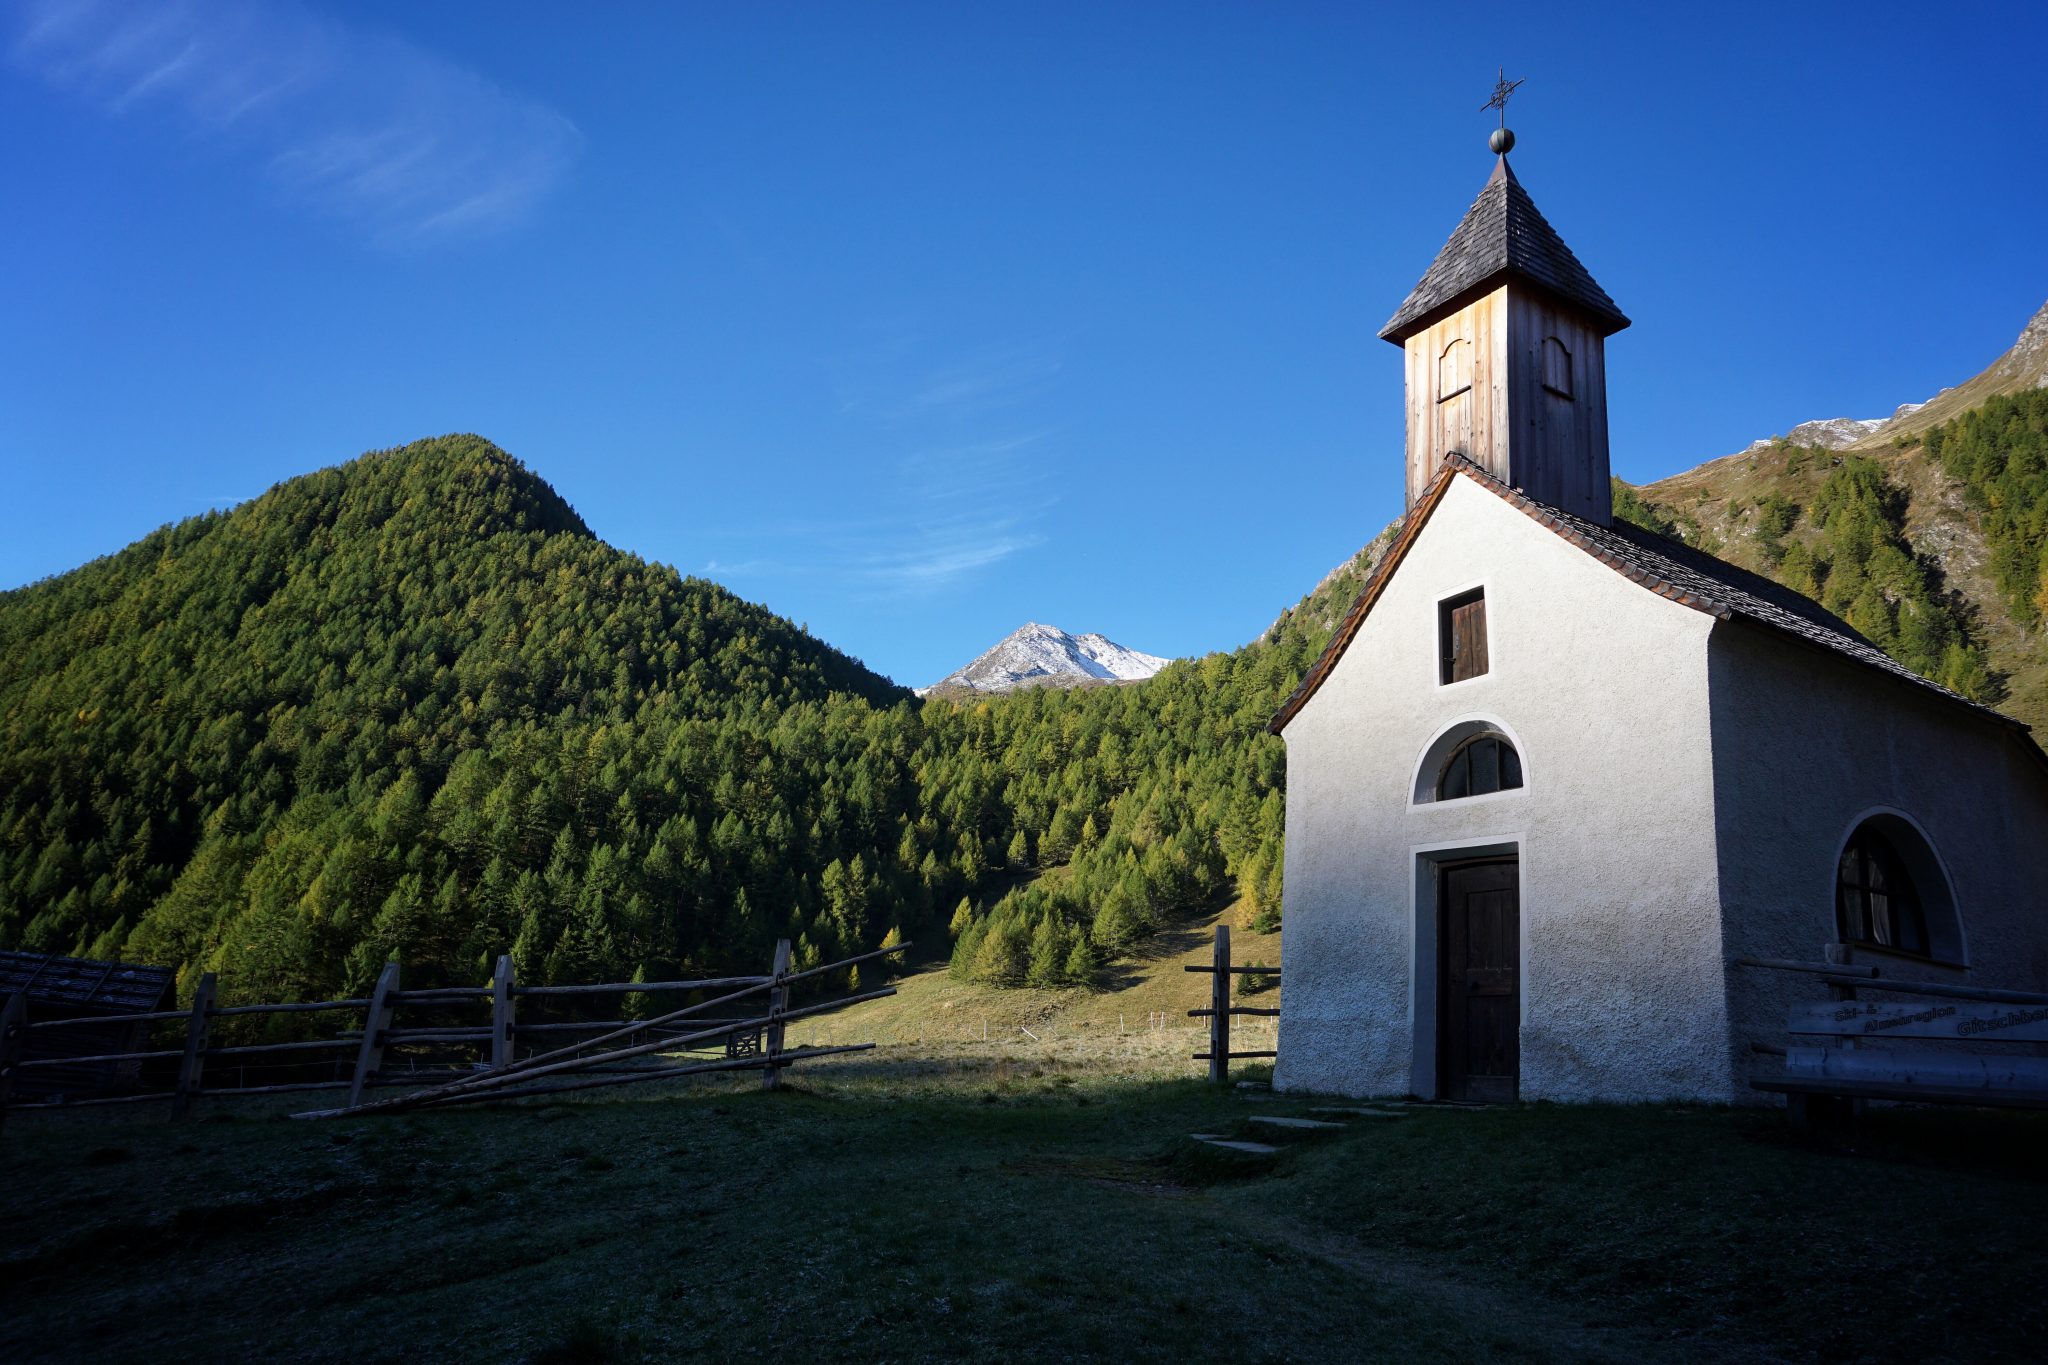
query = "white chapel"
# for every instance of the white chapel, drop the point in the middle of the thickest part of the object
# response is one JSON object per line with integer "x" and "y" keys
{"x": 1554, "y": 771}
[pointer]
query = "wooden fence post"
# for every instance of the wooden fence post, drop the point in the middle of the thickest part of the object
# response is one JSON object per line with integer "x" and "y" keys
{"x": 193, "y": 1066}
{"x": 501, "y": 1013}
{"x": 1821, "y": 1110}
{"x": 376, "y": 1021}
{"x": 1219, "y": 1003}
{"x": 13, "y": 1042}
{"x": 778, "y": 1001}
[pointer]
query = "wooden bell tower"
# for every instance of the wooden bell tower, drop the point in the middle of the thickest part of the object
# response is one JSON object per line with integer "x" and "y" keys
{"x": 1505, "y": 338}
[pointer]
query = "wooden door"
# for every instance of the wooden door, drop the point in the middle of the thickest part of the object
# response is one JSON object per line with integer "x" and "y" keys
{"x": 1479, "y": 988}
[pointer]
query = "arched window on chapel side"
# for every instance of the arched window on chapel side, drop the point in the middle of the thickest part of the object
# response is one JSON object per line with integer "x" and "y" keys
{"x": 1877, "y": 902}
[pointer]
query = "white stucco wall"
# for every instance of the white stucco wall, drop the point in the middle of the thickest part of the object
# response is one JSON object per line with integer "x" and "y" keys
{"x": 1604, "y": 687}
{"x": 1805, "y": 746}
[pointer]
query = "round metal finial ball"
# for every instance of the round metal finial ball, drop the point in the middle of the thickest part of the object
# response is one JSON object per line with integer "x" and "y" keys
{"x": 1502, "y": 140}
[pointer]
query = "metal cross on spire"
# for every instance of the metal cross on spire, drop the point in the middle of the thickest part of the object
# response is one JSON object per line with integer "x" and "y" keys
{"x": 1503, "y": 88}
{"x": 1501, "y": 140}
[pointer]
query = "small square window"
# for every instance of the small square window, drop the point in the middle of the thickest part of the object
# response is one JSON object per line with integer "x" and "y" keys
{"x": 1461, "y": 636}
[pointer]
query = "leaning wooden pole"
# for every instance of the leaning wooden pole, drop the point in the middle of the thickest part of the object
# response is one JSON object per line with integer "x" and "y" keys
{"x": 376, "y": 1021}
{"x": 491, "y": 1083}
{"x": 196, "y": 1031}
{"x": 655, "y": 1073}
{"x": 778, "y": 1003}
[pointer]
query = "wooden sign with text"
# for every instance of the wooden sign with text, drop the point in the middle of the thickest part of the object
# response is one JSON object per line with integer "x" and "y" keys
{"x": 1948, "y": 1020}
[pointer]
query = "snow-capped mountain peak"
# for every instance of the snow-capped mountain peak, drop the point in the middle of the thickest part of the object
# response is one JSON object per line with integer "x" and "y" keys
{"x": 1037, "y": 655}
{"x": 1831, "y": 433}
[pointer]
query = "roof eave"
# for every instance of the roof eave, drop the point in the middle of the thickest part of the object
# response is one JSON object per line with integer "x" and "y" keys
{"x": 1455, "y": 464}
{"x": 1398, "y": 330}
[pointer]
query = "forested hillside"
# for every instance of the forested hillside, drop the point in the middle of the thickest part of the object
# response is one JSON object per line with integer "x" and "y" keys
{"x": 409, "y": 702}
{"x": 410, "y": 705}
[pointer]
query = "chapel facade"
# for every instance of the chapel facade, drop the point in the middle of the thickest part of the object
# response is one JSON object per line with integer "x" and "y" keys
{"x": 1555, "y": 771}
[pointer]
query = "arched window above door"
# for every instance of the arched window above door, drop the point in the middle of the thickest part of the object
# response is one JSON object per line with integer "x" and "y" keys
{"x": 1472, "y": 758}
{"x": 1480, "y": 766}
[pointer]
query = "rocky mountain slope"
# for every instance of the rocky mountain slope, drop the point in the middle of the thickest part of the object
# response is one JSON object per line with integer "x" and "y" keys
{"x": 1037, "y": 655}
{"x": 1955, "y": 520}
{"x": 2023, "y": 367}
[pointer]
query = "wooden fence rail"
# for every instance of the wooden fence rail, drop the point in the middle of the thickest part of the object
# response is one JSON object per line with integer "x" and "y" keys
{"x": 1220, "y": 1011}
{"x": 752, "y": 1043}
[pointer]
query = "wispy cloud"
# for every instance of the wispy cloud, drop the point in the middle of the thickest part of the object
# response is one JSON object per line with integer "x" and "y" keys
{"x": 963, "y": 509}
{"x": 970, "y": 507}
{"x": 996, "y": 380}
{"x": 870, "y": 380}
{"x": 410, "y": 147}
{"x": 971, "y": 490}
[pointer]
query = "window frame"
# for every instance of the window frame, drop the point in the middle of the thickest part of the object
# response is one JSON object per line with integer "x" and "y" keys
{"x": 1463, "y": 749}
{"x": 1446, "y": 659}
{"x": 1455, "y": 366}
{"x": 1445, "y": 740}
{"x": 1941, "y": 907}
{"x": 1558, "y": 381}
{"x": 1880, "y": 873}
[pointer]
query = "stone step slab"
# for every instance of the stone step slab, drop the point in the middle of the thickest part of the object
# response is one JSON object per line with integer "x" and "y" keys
{"x": 1236, "y": 1145}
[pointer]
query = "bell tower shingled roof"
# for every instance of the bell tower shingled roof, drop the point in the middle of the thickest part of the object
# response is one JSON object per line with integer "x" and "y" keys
{"x": 1503, "y": 235}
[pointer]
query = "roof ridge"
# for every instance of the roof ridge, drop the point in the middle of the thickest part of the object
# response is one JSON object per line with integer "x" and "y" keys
{"x": 1686, "y": 575}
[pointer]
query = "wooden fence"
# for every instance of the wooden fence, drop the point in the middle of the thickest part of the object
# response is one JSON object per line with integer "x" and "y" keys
{"x": 753, "y": 1042}
{"x": 1220, "y": 1011}
{"x": 1833, "y": 1066}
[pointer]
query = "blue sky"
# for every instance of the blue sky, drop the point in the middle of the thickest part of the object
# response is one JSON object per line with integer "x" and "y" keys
{"x": 916, "y": 322}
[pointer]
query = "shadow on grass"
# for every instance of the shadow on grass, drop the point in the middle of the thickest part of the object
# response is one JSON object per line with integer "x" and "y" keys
{"x": 1976, "y": 1142}
{"x": 999, "y": 1202}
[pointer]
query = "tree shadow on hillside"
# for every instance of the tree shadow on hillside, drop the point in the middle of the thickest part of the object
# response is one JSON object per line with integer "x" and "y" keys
{"x": 1180, "y": 935}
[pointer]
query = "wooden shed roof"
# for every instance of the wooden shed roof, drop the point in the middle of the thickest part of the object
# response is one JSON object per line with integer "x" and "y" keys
{"x": 1665, "y": 567}
{"x": 78, "y": 985}
{"x": 1502, "y": 235}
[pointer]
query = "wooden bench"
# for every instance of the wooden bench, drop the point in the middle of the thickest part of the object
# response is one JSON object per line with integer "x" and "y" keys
{"x": 1840, "y": 1069}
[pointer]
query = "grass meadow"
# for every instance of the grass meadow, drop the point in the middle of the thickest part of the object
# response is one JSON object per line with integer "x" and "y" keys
{"x": 966, "y": 1201}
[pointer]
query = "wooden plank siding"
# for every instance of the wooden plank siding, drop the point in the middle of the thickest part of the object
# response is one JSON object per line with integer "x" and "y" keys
{"x": 1558, "y": 444}
{"x": 1473, "y": 423}
{"x": 1550, "y": 445}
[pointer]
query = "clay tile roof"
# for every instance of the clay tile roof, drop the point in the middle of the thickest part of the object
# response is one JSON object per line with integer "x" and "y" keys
{"x": 1503, "y": 234}
{"x": 1665, "y": 567}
